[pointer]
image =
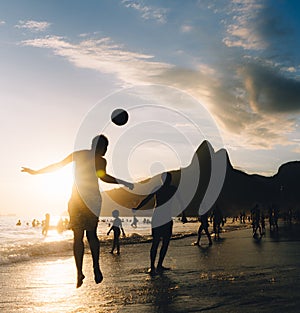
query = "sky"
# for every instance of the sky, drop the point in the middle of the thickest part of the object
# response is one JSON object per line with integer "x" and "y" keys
{"x": 226, "y": 71}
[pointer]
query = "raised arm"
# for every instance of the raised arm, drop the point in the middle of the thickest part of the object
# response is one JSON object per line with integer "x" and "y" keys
{"x": 49, "y": 168}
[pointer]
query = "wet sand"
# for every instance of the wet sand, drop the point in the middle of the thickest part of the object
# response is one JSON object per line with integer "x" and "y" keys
{"x": 236, "y": 274}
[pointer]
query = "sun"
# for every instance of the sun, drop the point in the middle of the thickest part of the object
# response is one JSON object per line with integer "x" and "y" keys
{"x": 55, "y": 188}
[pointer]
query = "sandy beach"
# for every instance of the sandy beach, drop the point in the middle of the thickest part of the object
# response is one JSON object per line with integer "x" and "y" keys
{"x": 236, "y": 274}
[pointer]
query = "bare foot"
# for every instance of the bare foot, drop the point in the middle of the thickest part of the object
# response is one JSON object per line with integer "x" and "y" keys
{"x": 98, "y": 275}
{"x": 161, "y": 269}
{"x": 80, "y": 278}
{"x": 151, "y": 271}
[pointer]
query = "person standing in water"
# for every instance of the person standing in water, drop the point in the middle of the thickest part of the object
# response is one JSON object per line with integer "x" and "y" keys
{"x": 46, "y": 224}
{"x": 85, "y": 203}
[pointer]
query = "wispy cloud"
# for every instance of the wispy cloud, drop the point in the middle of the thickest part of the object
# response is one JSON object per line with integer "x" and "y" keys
{"x": 34, "y": 26}
{"x": 186, "y": 28}
{"x": 2, "y": 23}
{"x": 147, "y": 12}
{"x": 105, "y": 56}
{"x": 241, "y": 27}
{"x": 249, "y": 106}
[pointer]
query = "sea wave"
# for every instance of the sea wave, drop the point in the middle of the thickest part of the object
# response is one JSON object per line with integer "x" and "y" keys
{"x": 25, "y": 252}
{"x": 20, "y": 244}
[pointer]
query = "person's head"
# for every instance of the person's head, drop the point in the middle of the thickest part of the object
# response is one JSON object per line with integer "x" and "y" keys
{"x": 99, "y": 144}
{"x": 115, "y": 213}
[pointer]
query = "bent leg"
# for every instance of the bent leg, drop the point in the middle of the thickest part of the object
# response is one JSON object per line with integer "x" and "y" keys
{"x": 199, "y": 234}
{"x": 208, "y": 235}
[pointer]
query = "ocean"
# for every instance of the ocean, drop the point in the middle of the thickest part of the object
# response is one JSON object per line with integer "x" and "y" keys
{"x": 24, "y": 242}
{"x": 237, "y": 274}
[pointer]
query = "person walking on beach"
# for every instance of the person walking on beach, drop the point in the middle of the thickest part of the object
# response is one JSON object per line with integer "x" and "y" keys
{"x": 256, "y": 221}
{"x": 85, "y": 203}
{"x": 116, "y": 228}
{"x": 217, "y": 217}
{"x": 204, "y": 224}
{"x": 162, "y": 222}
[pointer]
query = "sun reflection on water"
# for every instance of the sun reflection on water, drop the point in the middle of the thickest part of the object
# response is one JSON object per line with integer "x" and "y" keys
{"x": 53, "y": 283}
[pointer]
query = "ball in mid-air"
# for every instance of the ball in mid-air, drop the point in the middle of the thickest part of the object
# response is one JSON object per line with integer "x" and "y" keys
{"x": 119, "y": 117}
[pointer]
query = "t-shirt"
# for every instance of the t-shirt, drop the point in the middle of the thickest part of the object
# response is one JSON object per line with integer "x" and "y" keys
{"x": 117, "y": 222}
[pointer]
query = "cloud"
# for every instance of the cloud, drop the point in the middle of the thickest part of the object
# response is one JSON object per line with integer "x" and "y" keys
{"x": 241, "y": 27}
{"x": 34, "y": 26}
{"x": 228, "y": 101}
{"x": 105, "y": 56}
{"x": 2, "y": 23}
{"x": 147, "y": 12}
{"x": 270, "y": 90}
{"x": 248, "y": 101}
{"x": 263, "y": 28}
{"x": 186, "y": 28}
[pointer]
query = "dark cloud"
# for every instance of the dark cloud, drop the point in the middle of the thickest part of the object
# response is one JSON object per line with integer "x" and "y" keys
{"x": 271, "y": 90}
{"x": 279, "y": 30}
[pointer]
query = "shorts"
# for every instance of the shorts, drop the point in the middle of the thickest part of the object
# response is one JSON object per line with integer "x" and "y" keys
{"x": 117, "y": 231}
{"x": 81, "y": 217}
{"x": 163, "y": 231}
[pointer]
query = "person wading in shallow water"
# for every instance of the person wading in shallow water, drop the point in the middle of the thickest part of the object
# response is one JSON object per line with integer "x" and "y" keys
{"x": 85, "y": 203}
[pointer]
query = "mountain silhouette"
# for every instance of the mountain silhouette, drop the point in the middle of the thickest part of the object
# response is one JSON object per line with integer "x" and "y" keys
{"x": 233, "y": 189}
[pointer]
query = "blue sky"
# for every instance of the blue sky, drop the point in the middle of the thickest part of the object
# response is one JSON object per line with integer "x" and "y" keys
{"x": 238, "y": 59}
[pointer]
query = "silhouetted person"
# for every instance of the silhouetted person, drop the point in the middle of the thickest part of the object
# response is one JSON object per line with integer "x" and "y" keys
{"x": 134, "y": 222}
{"x": 162, "y": 222}
{"x": 34, "y": 223}
{"x": 217, "y": 221}
{"x": 85, "y": 202}
{"x": 276, "y": 217}
{"x": 256, "y": 221}
{"x": 271, "y": 218}
{"x": 60, "y": 226}
{"x": 263, "y": 223}
{"x": 204, "y": 224}
{"x": 116, "y": 228}
{"x": 19, "y": 223}
{"x": 46, "y": 224}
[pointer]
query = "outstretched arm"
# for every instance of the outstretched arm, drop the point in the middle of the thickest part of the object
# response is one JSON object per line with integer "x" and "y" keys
{"x": 49, "y": 168}
{"x": 144, "y": 201}
{"x": 101, "y": 173}
{"x": 109, "y": 231}
{"x": 112, "y": 180}
{"x": 123, "y": 232}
